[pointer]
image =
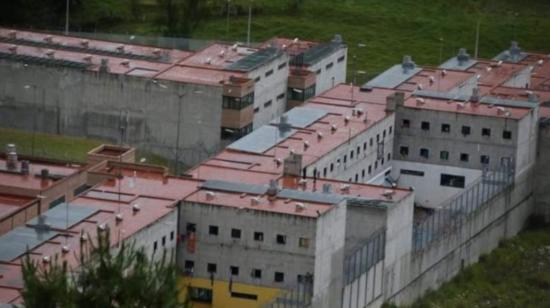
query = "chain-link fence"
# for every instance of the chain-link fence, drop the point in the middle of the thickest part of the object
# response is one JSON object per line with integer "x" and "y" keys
{"x": 454, "y": 213}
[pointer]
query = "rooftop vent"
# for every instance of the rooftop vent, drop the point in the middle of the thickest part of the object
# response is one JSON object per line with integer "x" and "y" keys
{"x": 157, "y": 52}
{"x": 444, "y": 73}
{"x": 104, "y": 66}
{"x": 65, "y": 249}
{"x": 119, "y": 218}
{"x": 46, "y": 259}
{"x": 407, "y": 64}
{"x": 102, "y": 227}
{"x": 345, "y": 188}
{"x": 475, "y": 95}
{"x": 48, "y": 39}
{"x": 501, "y": 110}
{"x": 12, "y": 34}
{"x": 208, "y": 60}
{"x": 300, "y": 207}
{"x": 210, "y": 195}
{"x": 85, "y": 43}
{"x": 125, "y": 63}
{"x": 540, "y": 62}
{"x": 462, "y": 57}
{"x": 306, "y": 145}
{"x": 88, "y": 58}
{"x": 303, "y": 183}
{"x": 25, "y": 167}
{"x": 234, "y": 47}
{"x": 136, "y": 208}
{"x": 460, "y": 106}
{"x": 273, "y": 188}
{"x": 50, "y": 53}
{"x": 515, "y": 50}
{"x": 221, "y": 54}
{"x": 83, "y": 237}
{"x": 419, "y": 86}
{"x": 254, "y": 201}
{"x": 283, "y": 125}
{"x": 431, "y": 79}
{"x": 45, "y": 173}
{"x": 120, "y": 48}
{"x": 13, "y": 49}
{"x": 278, "y": 161}
{"x": 320, "y": 135}
{"x": 388, "y": 193}
{"x": 420, "y": 101}
{"x": 333, "y": 128}
{"x": 346, "y": 119}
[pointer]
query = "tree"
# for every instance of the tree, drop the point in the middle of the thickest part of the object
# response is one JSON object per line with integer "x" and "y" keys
{"x": 105, "y": 277}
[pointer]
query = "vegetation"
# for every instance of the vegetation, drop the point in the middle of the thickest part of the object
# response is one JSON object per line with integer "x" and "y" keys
{"x": 517, "y": 274}
{"x": 125, "y": 278}
{"x": 61, "y": 147}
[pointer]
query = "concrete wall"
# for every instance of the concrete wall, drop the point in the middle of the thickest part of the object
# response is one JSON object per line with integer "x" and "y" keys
{"x": 328, "y": 78}
{"x": 502, "y": 217}
{"x": 542, "y": 180}
{"x": 268, "y": 88}
{"x": 87, "y": 104}
{"x": 428, "y": 189}
{"x": 246, "y": 253}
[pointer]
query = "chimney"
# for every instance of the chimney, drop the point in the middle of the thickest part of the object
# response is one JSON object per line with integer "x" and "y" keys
{"x": 407, "y": 64}
{"x": 25, "y": 167}
{"x": 273, "y": 188}
{"x": 462, "y": 56}
{"x": 475, "y": 95}
{"x": 104, "y": 66}
{"x": 515, "y": 50}
{"x": 11, "y": 163}
{"x": 292, "y": 165}
{"x": 390, "y": 103}
{"x": 44, "y": 174}
{"x": 283, "y": 124}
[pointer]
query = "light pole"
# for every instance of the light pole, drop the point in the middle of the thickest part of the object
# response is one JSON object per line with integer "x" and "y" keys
{"x": 67, "y": 17}
{"x": 29, "y": 86}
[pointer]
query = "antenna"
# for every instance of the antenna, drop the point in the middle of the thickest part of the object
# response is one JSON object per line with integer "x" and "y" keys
{"x": 476, "y": 51}
{"x": 249, "y": 23}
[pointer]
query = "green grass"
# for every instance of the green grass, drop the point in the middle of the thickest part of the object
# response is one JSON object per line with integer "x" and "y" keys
{"x": 390, "y": 29}
{"x": 517, "y": 274}
{"x": 61, "y": 147}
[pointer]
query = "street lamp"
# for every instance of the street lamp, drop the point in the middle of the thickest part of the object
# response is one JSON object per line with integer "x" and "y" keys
{"x": 33, "y": 87}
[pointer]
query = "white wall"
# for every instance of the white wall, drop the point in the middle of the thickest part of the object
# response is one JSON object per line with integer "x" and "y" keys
{"x": 328, "y": 78}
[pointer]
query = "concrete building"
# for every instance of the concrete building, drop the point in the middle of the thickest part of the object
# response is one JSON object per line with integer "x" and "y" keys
{"x": 148, "y": 97}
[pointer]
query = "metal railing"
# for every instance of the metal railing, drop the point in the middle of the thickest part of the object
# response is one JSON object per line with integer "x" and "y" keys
{"x": 455, "y": 212}
{"x": 297, "y": 297}
{"x": 365, "y": 257}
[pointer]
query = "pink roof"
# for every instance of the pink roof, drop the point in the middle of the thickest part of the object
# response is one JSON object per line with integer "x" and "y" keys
{"x": 31, "y": 181}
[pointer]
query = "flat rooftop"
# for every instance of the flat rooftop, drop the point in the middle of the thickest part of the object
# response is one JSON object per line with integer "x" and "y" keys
{"x": 10, "y": 203}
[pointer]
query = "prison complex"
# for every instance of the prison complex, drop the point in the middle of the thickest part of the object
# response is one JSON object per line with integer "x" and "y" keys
{"x": 355, "y": 197}
{"x": 158, "y": 99}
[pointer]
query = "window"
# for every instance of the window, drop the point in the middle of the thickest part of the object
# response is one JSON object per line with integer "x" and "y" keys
{"x": 375, "y": 164}
{"x": 191, "y": 227}
{"x": 382, "y": 162}
{"x": 303, "y": 242}
{"x": 351, "y": 155}
{"x": 445, "y": 128}
{"x": 211, "y": 267}
{"x": 345, "y": 159}
{"x": 486, "y": 132}
{"x": 318, "y": 72}
{"x": 80, "y": 189}
{"x": 279, "y": 277}
{"x": 404, "y": 151}
{"x": 356, "y": 177}
{"x": 425, "y": 125}
{"x": 325, "y": 172}
{"x": 452, "y": 180}
{"x": 342, "y": 58}
{"x": 358, "y": 150}
{"x": 280, "y": 96}
{"x": 412, "y": 172}
{"x": 281, "y": 66}
{"x": 234, "y": 270}
{"x": 370, "y": 169}
{"x": 57, "y": 202}
{"x": 244, "y": 295}
{"x": 444, "y": 155}
{"x": 384, "y": 134}
{"x": 172, "y": 235}
{"x": 268, "y": 73}
{"x": 259, "y": 236}
{"x": 236, "y": 233}
{"x": 268, "y": 103}
{"x": 331, "y": 167}
{"x": 425, "y": 153}
{"x": 371, "y": 142}
{"x": 484, "y": 159}
{"x": 465, "y": 130}
{"x": 363, "y": 173}
{"x": 281, "y": 239}
{"x": 189, "y": 266}
{"x": 389, "y": 156}
{"x": 213, "y": 230}
{"x": 155, "y": 246}
{"x": 364, "y": 146}
{"x": 256, "y": 109}
{"x": 329, "y": 65}
{"x": 507, "y": 134}
{"x": 406, "y": 123}
{"x": 296, "y": 94}
{"x": 256, "y": 273}
{"x": 390, "y": 130}
{"x": 257, "y": 79}
{"x": 237, "y": 103}
{"x": 377, "y": 137}
{"x": 464, "y": 157}
{"x": 200, "y": 294}
{"x": 163, "y": 241}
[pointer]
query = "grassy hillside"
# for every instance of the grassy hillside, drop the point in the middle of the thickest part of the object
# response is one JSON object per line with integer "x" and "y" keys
{"x": 389, "y": 29}
{"x": 517, "y": 274}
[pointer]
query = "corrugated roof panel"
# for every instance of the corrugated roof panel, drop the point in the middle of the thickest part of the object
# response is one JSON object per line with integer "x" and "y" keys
{"x": 58, "y": 216}
{"x": 261, "y": 139}
{"x": 310, "y": 196}
{"x": 234, "y": 187}
{"x": 302, "y": 117}
{"x": 255, "y": 60}
{"x": 453, "y": 64}
{"x": 16, "y": 242}
{"x": 393, "y": 77}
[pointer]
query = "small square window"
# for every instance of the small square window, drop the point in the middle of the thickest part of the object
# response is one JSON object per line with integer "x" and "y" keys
{"x": 163, "y": 241}
{"x": 375, "y": 164}
{"x": 371, "y": 142}
{"x": 236, "y": 233}
{"x": 486, "y": 132}
{"x": 213, "y": 230}
{"x": 256, "y": 273}
{"x": 445, "y": 128}
{"x": 377, "y": 137}
{"x": 281, "y": 239}
{"x": 484, "y": 159}
{"x": 303, "y": 242}
{"x": 155, "y": 246}
{"x": 425, "y": 125}
{"x": 259, "y": 236}
{"x": 404, "y": 151}
{"x": 279, "y": 277}
{"x": 425, "y": 153}
{"x": 189, "y": 265}
{"x": 507, "y": 134}
{"x": 444, "y": 155}
{"x": 406, "y": 123}
{"x": 234, "y": 270}
{"x": 465, "y": 130}
{"x": 191, "y": 227}
{"x": 464, "y": 157}
{"x": 383, "y": 134}
{"x": 370, "y": 169}
{"x": 211, "y": 267}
